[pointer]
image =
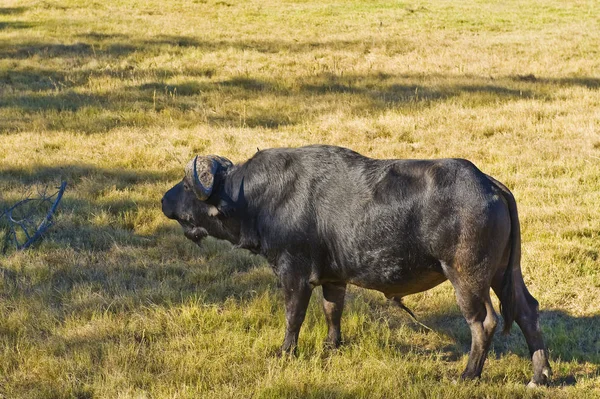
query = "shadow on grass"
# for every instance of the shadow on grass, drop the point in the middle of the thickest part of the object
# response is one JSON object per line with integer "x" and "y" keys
{"x": 6, "y": 25}
{"x": 291, "y": 390}
{"x": 191, "y": 103}
{"x": 573, "y": 339}
{"x": 570, "y": 338}
{"x": 587, "y": 82}
{"x": 12, "y": 10}
{"x": 74, "y": 173}
{"x": 86, "y": 269}
{"x": 131, "y": 273}
{"x": 76, "y": 212}
{"x": 137, "y": 263}
{"x": 119, "y": 271}
{"x": 60, "y": 99}
{"x": 133, "y": 269}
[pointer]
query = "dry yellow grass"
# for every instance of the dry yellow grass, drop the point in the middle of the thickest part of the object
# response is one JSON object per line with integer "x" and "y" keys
{"x": 114, "y": 96}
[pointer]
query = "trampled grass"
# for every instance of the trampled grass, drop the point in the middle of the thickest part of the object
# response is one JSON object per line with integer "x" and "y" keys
{"x": 113, "y": 96}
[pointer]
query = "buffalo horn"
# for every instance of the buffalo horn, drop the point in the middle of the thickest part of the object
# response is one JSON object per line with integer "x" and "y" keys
{"x": 200, "y": 173}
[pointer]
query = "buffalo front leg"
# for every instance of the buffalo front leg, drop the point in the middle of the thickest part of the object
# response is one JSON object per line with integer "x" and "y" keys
{"x": 297, "y": 295}
{"x": 333, "y": 306}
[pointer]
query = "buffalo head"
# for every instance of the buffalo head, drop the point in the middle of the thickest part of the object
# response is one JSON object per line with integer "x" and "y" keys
{"x": 189, "y": 201}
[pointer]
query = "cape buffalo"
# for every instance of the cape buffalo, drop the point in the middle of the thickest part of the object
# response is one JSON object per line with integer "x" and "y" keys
{"x": 328, "y": 216}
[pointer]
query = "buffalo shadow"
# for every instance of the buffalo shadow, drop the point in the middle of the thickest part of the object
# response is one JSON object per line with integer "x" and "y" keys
{"x": 569, "y": 338}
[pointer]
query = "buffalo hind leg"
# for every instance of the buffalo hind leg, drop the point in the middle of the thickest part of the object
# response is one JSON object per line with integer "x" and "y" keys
{"x": 333, "y": 306}
{"x": 527, "y": 317}
{"x": 482, "y": 320}
{"x": 476, "y": 306}
{"x": 297, "y": 296}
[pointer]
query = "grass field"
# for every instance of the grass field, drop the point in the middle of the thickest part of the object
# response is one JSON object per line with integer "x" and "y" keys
{"x": 114, "y": 96}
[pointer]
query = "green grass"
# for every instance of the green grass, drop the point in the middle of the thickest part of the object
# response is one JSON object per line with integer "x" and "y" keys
{"x": 114, "y": 96}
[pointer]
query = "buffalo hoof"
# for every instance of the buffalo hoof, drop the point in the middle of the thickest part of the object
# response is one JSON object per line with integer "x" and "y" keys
{"x": 466, "y": 379}
{"x": 465, "y": 376}
{"x": 331, "y": 345}
{"x": 541, "y": 369}
{"x": 287, "y": 352}
{"x": 542, "y": 380}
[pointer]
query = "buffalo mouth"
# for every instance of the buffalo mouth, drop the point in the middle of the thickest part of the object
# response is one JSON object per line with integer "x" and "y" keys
{"x": 193, "y": 233}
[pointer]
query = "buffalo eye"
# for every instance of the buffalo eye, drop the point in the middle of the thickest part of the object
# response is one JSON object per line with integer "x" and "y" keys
{"x": 186, "y": 187}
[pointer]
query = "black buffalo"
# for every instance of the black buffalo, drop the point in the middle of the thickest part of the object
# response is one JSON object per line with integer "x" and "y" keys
{"x": 328, "y": 216}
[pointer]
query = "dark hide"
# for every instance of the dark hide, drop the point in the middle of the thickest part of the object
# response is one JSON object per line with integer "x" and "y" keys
{"x": 325, "y": 215}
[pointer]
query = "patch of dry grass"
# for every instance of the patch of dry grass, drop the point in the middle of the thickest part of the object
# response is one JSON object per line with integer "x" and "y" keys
{"x": 114, "y": 96}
